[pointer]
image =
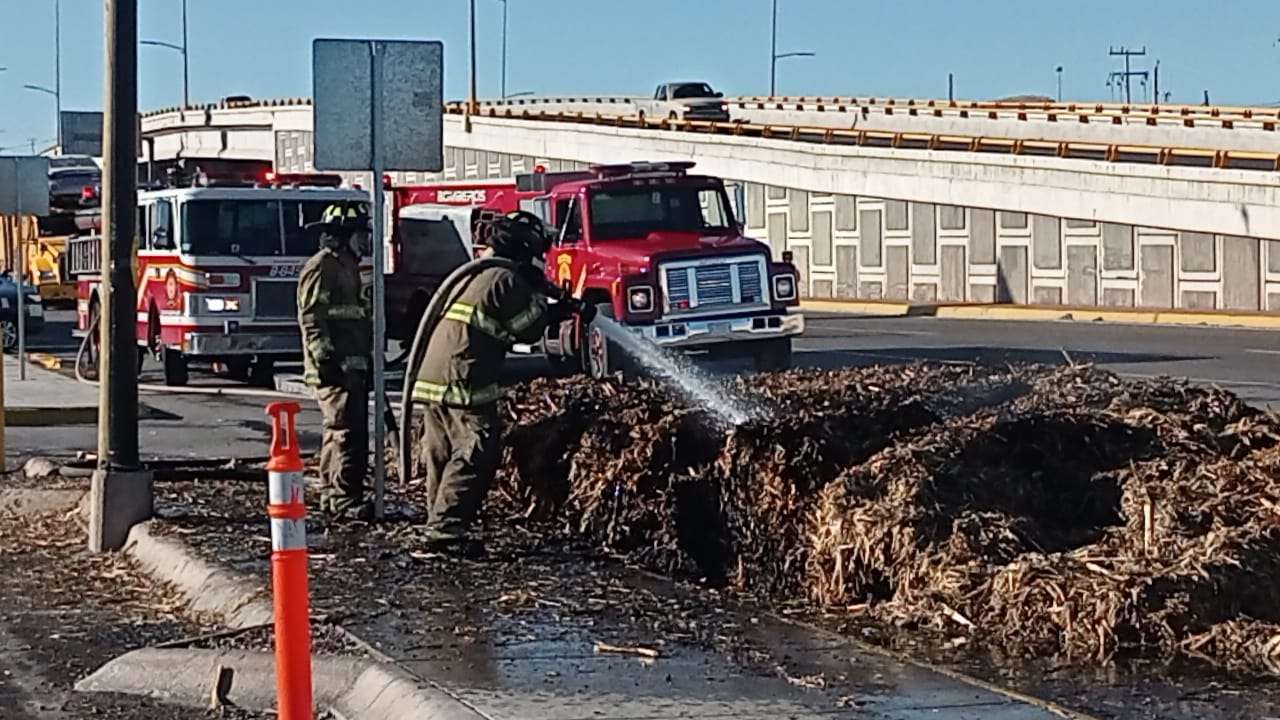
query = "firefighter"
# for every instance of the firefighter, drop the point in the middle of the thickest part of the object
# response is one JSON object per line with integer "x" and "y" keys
{"x": 337, "y": 339}
{"x": 458, "y": 380}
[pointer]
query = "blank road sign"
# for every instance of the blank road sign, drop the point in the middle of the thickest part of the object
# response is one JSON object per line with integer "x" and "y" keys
{"x": 24, "y": 186}
{"x": 412, "y": 129}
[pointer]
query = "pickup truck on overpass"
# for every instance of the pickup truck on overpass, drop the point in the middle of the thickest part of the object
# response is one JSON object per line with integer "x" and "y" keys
{"x": 685, "y": 101}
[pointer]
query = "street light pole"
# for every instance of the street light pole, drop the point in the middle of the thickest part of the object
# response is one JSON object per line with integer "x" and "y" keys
{"x": 1059, "y": 71}
{"x": 504, "y": 49}
{"x": 57, "y": 66}
{"x": 773, "y": 53}
{"x": 186, "y": 76}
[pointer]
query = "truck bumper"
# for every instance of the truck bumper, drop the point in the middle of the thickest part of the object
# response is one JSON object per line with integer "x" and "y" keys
{"x": 694, "y": 333}
{"x": 222, "y": 344}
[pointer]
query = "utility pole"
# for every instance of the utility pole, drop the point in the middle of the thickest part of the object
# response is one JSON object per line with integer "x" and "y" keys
{"x": 773, "y": 53}
{"x": 1156, "y": 72}
{"x": 1058, "y": 70}
{"x": 121, "y": 494}
{"x": 186, "y": 75}
{"x": 503, "y": 91}
{"x": 472, "y": 105}
{"x": 951, "y": 87}
{"x": 1128, "y": 74}
{"x": 57, "y": 66}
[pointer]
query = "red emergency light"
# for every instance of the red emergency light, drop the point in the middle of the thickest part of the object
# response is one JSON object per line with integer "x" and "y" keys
{"x": 642, "y": 168}
{"x": 276, "y": 179}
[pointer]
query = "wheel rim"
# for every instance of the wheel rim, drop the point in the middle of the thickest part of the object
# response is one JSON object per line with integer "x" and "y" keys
{"x": 599, "y": 352}
{"x": 10, "y": 330}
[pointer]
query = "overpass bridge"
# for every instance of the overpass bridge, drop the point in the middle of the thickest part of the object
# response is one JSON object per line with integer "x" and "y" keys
{"x": 915, "y": 200}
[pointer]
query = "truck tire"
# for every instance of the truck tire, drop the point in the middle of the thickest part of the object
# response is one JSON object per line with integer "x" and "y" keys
{"x": 9, "y": 330}
{"x": 263, "y": 373}
{"x": 176, "y": 373}
{"x": 772, "y": 355}
{"x": 601, "y": 356}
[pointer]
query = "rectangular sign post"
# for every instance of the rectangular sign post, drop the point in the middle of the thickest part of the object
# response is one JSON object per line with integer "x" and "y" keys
{"x": 24, "y": 190}
{"x": 379, "y": 105}
{"x": 82, "y": 133}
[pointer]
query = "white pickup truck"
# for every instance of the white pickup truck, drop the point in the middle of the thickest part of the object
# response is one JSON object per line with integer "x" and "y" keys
{"x": 685, "y": 101}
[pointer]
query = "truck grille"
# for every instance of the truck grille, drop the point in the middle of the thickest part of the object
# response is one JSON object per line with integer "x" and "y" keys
{"x": 275, "y": 299}
{"x": 731, "y": 284}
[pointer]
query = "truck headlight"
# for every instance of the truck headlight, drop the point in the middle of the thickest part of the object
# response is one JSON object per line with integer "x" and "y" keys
{"x": 784, "y": 287}
{"x": 219, "y": 305}
{"x": 640, "y": 299}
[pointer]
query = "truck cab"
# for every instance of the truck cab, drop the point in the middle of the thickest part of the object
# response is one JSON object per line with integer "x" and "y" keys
{"x": 660, "y": 251}
{"x": 686, "y": 101}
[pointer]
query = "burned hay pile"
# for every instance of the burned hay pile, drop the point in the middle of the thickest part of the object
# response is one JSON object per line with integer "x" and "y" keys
{"x": 1044, "y": 512}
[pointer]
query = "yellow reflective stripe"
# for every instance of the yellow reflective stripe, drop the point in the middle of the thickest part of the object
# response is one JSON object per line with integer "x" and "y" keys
{"x": 320, "y": 346}
{"x": 468, "y": 314}
{"x": 345, "y": 312}
{"x": 454, "y": 393}
{"x": 526, "y": 319}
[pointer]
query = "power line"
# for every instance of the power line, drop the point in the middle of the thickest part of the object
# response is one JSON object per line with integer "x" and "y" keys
{"x": 1118, "y": 78}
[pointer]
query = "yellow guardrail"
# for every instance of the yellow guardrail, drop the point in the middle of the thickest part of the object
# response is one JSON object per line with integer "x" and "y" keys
{"x": 1105, "y": 152}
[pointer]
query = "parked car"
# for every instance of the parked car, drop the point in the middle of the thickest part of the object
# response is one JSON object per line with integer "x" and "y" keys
{"x": 73, "y": 188}
{"x": 686, "y": 101}
{"x": 9, "y": 311}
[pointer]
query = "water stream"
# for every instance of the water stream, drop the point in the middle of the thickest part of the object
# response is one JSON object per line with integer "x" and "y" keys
{"x": 696, "y": 384}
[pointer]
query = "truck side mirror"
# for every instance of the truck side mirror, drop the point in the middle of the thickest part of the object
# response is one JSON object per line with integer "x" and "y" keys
{"x": 717, "y": 94}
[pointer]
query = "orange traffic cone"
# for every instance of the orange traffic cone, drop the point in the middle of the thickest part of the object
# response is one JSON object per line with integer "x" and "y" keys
{"x": 291, "y": 599}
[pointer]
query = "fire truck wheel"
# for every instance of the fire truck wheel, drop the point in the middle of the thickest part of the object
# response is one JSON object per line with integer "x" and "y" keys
{"x": 771, "y": 355}
{"x": 263, "y": 373}
{"x": 175, "y": 368}
{"x": 9, "y": 329}
{"x": 603, "y": 356}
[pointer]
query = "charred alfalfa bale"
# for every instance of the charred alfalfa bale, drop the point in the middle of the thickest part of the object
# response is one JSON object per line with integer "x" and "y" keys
{"x": 1244, "y": 645}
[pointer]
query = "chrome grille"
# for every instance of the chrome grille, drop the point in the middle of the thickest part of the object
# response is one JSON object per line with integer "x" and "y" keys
{"x": 275, "y": 299}
{"x": 714, "y": 285}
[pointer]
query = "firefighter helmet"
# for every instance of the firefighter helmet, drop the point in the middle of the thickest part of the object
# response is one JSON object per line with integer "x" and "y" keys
{"x": 518, "y": 236}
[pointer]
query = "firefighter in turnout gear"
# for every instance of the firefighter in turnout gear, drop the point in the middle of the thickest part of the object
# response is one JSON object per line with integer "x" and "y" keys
{"x": 458, "y": 382}
{"x": 337, "y": 339}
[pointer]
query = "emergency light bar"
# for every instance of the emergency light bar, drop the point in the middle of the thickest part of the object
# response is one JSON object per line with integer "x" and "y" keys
{"x": 309, "y": 179}
{"x": 637, "y": 168}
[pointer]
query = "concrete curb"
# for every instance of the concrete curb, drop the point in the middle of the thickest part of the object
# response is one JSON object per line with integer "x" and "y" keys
{"x": 1001, "y": 311}
{"x": 380, "y": 690}
{"x": 350, "y": 687}
{"x": 208, "y": 589}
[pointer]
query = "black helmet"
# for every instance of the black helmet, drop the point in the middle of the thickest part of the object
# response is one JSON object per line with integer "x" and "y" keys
{"x": 518, "y": 236}
{"x": 341, "y": 219}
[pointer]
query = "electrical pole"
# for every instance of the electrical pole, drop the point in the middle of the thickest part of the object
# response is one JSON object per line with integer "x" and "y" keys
{"x": 57, "y": 66}
{"x": 1128, "y": 74}
{"x": 472, "y": 106}
{"x": 1156, "y": 72}
{"x": 773, "y": 53}
{"x": 121, "y": 494}
{"x": 186, "y": 75}
{"x": 951, "y": 87}
{"x": 504, "y": 49}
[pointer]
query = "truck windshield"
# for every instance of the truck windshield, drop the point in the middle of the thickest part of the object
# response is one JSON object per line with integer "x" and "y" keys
{"x": 618, "y": 214}
{"x": 692, "y": 90}
{"x": 251, "y": 227}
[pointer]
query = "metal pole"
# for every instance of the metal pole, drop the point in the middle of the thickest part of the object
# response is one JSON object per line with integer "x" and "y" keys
{"x": 471, "y": 102}
{"x": 186, "y": 77}
{"x": 1127, "y": 97}
{"x": 773, "y": 53}
{"x": 19, "y": 276}
{"x": 57, "y": 66}
{"x": 1059, "y": 84}
{"x": 504, "y": 49}
{"x": 118, "y": 397}
{"x": 1157, "y": 82}
{"x": 379, "y": 292}
{"x": 951, "y": 87}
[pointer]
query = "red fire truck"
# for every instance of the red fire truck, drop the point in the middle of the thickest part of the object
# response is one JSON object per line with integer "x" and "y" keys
{"x": 655, "y": 247}
{"x": 216, "y": 271}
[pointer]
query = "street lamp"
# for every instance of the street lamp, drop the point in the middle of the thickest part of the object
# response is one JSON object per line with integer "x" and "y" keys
{"x": 775, "y": 56}
{"x": 504, "y": 49}
{"x": 1058, "y": 70}
{"x": 186, "y": 78}
{"x": 57, "y": 99}
{"x": 522, "y": 93}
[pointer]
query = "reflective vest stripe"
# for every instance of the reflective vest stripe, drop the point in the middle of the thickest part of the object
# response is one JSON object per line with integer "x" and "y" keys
{"x": 344, "y": 312}
{"x": 469, "y": 314}
{"x": 455, "y": 393}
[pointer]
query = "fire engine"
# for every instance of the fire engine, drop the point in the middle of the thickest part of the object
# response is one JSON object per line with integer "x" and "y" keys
{"x": 656, "y": 248}
{"x": 216, "y": 271}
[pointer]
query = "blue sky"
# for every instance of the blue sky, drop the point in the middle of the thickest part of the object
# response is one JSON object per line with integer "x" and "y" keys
{"x": 883, "y": 47}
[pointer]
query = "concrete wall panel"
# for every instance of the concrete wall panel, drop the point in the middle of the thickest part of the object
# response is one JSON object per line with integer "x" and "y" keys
{"x": 951, "y": 217}
{"x": 870, "y": 238}
{"x": 1199, "y": 300}
{"x": 954, "y": 272}
{"x": 777, "y": 193}
{"x": 846, "y": 271}
{"x": 777, "y": 233}
{"x": 1048, "y": 296}
{"x": 1198, "y": 252}
{"x": 1117, "y": 297}
{"x": 1157, "y": 276}
{"x": 1117, "y": 247}
{"x": 982, "y": 293}
{"x": 1273, "y": 256}
{"x": 1046, "y": 240}
{"x": 982, "y": 238}
{"x": 1075, "y": 224}
{"x": 1273, "y": 302}
{"x": 895, "y": 215}
{"x": 798, "y": 202}
{"x": 846, "y": 212}
{"x": 1241, "y": 273}
{"x": 870, "y": 290}
{"x": 924, "y": 293}
{"x": 800, "y": 256}
{"x": 1082, "y": 275}
{"x": 1013, "y": 220}
{"x": 1012, "y": 275}
{"x": 924, "y": 234}
{"x": 822, "y": 232}
{"x": 822, "y": 288}
{"x": 755, "y": 205}
{"x": 897, "y": 272}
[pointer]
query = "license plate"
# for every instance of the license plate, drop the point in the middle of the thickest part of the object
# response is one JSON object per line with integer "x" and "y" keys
{"x": 719, "y": 327}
